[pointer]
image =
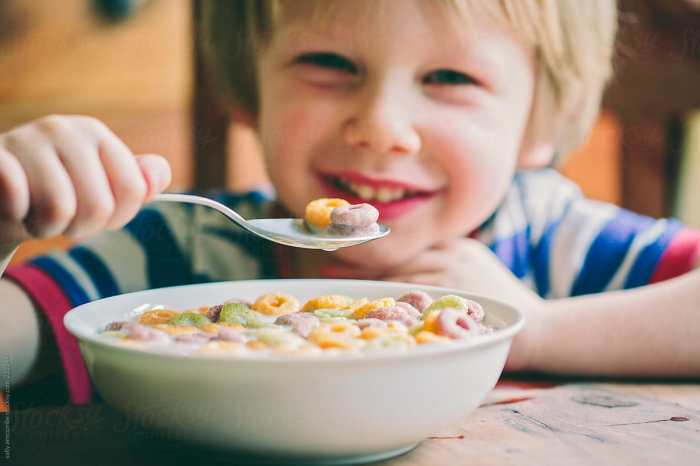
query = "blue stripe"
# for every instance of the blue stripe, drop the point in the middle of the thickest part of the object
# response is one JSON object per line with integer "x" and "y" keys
{"x": 541, "y": 256}
{"x": 97, "y": 271}
{"x": 74, "y": 292}
{"x": 608, "y": 251}
{"x": 643, "y": 268}
{"x": 514, "y": 252}
{"x": 166, "y": 264}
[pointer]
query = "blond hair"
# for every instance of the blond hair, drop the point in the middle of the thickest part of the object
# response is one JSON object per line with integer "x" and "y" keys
{"x": 574, "y": 41}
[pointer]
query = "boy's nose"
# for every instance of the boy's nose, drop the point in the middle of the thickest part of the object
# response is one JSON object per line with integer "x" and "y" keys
{"x": 381, "y": 124}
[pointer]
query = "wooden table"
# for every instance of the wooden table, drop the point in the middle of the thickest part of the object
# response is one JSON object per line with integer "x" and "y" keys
{"x": 572, "y": 423}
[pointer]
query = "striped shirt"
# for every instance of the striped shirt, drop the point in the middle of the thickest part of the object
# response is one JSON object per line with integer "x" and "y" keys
{"x": 551, "y": 237}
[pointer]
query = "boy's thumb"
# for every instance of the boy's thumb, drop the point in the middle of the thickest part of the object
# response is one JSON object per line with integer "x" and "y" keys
{"x": 156, "y": 171}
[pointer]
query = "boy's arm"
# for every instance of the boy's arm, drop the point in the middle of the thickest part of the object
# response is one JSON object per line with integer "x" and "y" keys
{"x": 648, "y": 331}
{"x": 20, "y": 334}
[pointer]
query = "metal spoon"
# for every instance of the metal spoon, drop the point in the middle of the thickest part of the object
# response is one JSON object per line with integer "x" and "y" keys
{"x": 287, "y": 231}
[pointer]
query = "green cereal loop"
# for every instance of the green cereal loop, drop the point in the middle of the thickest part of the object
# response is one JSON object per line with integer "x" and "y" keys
{"x": 189, "y": 318}
{"x": 240, "y": 313}
{"x": 332, "y": 313}
{"x": 447, "y": 301}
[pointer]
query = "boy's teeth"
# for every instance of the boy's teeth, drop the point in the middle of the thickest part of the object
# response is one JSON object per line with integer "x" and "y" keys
{"x": 386, "y": 194}
{"x": 367, "y": 193}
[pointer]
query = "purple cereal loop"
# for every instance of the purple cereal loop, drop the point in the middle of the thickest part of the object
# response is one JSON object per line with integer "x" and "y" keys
{"x": 475, "y": 311}
{"x": 142, "y": 332}
{"x": 114, "y": 326}
{"x": 418, "y": 299}
{"x": 192, "y": 338}
{"x": 411, "y": 310}
{"x": 214, "y": 312}
{"x": 230, "y": 334}
{"x": 455, "y": 324}
{"x": 371, "y": 322}
{"x": 355, "y": 215}
{"x": 393, "y": 313}
{"x": 301, "y": 322}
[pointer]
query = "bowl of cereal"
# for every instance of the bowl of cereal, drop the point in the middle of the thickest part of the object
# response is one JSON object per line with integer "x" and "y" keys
{"x": 334, "y": 371}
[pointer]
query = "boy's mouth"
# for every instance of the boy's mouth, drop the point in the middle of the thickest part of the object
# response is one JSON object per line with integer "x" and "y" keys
{"x": 391, "y": 198}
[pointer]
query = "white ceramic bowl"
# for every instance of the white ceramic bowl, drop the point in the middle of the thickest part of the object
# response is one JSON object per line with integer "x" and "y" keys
{"x": 343, "y": 409}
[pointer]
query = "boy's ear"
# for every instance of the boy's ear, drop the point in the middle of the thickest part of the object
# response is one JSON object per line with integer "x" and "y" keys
{"x": 536, "y": 155}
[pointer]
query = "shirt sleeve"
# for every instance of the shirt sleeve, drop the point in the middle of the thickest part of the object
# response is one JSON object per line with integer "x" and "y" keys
{"x": 580, "y": 246}
{"x": 166, "y": 244}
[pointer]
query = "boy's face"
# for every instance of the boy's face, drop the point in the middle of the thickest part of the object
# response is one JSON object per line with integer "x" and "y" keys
{"x": 403, "y": 109}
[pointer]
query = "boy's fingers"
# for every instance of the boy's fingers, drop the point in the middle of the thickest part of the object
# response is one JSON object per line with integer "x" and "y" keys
{"x": 128, "y": 184}
{"x": 156, "y": 171}
{"x": 95, "y": 202}
{"x": 14, "y": 188}
{"x": 52, "y": 200}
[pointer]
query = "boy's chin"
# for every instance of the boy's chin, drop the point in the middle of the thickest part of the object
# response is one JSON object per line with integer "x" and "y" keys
{"x": 373, "y": 256}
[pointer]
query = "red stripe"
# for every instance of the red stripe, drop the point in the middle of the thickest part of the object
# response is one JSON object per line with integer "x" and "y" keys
{"x": 680, "y": 257}
{"x": 51, "y": 300}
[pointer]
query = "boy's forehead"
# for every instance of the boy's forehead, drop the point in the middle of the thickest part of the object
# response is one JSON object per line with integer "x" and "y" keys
{"x": 454, "y": 18}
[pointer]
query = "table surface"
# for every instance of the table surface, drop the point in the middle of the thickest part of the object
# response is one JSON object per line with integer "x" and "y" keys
{"x": 572, "y": 423}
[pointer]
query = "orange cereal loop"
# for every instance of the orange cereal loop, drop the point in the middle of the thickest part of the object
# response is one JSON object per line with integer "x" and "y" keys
{"x": 430, "y": 322}
{"x": 318, "y": 212}
{"x": 158, "y": 316}
{"x": 370, "y": 333}
{"x": 425, "y": 337}
{"x": 256, "y": 345}
{"x": 231, "y": 325}
{"x": 276, "y": 304}
{"x": 210, "y": 328}
{"x": 365, "y": 309}
{"x": 331, "y": 301}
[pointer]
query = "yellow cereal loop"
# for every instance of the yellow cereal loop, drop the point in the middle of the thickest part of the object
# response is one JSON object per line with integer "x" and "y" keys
{"x": 365, "y": 309}
{"x": 210, "y": 328}
{"x": 331, "y": 301}
{"x": 339, "y": 335}
{"x": 318, "y": 212}
{"x": 158, "y": 316}
{"x": 426, "y": 337}
{"x": 276, "y": 304}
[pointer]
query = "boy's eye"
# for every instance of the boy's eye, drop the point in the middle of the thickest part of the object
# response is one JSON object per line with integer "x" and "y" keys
{"x": 327, "y": 60}
{"x": 448, "y": 77}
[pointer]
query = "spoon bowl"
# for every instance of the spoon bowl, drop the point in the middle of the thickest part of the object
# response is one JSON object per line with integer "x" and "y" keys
{"x": 287, "y": 231}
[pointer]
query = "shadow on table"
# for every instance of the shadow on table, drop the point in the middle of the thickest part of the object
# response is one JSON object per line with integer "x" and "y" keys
{"x": 96, "y": 435}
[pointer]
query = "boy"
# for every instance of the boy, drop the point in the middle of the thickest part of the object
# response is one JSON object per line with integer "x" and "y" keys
{"x": 444, "y": 116}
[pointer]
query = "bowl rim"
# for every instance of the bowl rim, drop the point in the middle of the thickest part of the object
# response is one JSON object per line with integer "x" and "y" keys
{"x": 71, "y": 322}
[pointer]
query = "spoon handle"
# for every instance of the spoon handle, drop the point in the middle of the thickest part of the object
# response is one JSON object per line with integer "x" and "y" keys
{"x": 191, "y": 199}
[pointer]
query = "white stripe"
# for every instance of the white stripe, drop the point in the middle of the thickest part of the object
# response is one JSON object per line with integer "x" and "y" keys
{"x": 572, "y": 241}
{"x": 77, "y": 272}
{"x": 509, "y": 220}
{"x": 124, "y": 257}
{"x": 640, "y": 242}
{"x": 547, "y": 194}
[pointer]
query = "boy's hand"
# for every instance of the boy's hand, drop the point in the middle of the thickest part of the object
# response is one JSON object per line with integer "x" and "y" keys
{"x": 70, "y": 175}
{"x": 468, "y": 265}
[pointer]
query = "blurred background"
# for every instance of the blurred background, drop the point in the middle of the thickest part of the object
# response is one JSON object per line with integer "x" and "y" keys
{"x": 134, "y": 65}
